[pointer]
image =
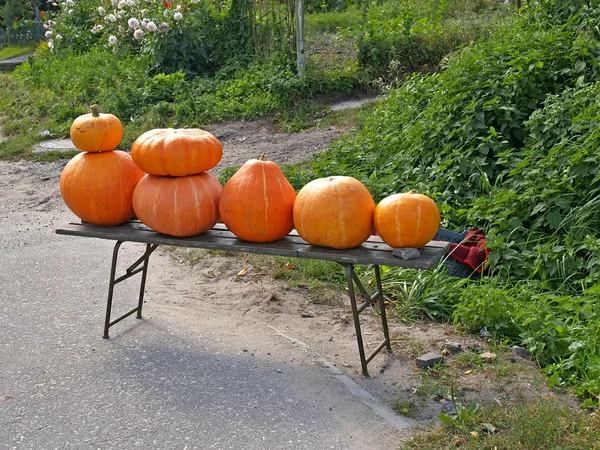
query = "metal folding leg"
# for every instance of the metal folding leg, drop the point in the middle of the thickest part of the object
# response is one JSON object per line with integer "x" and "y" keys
{"x": 132, "y": 270}
{"x": 353, "y": 279}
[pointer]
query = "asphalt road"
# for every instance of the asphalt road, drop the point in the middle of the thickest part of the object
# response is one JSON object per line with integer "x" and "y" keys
{"x": 158, "y": 382}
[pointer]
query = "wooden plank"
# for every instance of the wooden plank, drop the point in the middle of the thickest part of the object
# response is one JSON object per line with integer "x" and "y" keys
{"x": 210, "y": 240}
{"x": 429, "y": 258}
{"x": 373, "y": 251}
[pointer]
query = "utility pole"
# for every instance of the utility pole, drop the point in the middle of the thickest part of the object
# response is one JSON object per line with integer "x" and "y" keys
{"x": 300, "y": 55}
{"x": 36, "y": 10}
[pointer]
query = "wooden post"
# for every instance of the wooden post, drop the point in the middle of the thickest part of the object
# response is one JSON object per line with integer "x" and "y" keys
{"x": 300, "y": 56}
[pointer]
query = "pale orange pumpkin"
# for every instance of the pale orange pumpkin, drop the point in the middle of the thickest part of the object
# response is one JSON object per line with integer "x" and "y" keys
{"x": 176, "y": 152}
{"x": 178, "y": 206}
{"x": 334, "y": 212}
{"x": 98, "y": 187}
{"x": 407, "y": 220}
{"x": 96, "y": 132}
{"x": 258, "y": 202}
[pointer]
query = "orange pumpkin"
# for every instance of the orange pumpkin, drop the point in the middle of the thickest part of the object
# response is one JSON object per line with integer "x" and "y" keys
{"x": 176, "y": 152}
{"x": 178, "y": 206}
{"x": 98, "y": 187}
{"x": 96, "y": 132}
{"x": 407, "y": 220}
{"x": 258, "y": 202}
{"x": 334, "y": 212}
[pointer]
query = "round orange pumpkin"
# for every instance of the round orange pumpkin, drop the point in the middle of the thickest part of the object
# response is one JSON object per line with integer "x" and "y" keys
{"x": 334, "y": 212}
{"x": 96, "y": 132}
{"x": 257, "y": 203}
{"x": 178, "y": 206}
{"x": 407, "y": 220}
{"x": 176, "y": 152}
{"x": 98, "y": 187}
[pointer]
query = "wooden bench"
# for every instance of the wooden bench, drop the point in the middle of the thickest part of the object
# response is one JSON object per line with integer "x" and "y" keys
{"x": 372, "y": 253}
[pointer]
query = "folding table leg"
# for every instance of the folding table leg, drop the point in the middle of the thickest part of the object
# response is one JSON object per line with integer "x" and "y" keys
{"x": 352, "y": 279}
{"x": 386, "y": 333}
{"x": 132, "y": 270}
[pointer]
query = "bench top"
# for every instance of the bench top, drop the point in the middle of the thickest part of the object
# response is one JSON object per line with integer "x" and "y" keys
{"x": 373, "y": 251}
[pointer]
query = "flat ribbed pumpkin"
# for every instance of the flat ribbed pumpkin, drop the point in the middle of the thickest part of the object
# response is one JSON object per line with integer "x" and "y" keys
{"x": 96, "y": 132}
{"x": 258, "y": 202}
{"x": 407, "y": 220}
{"x": 176, "y": 152}
{"x": 334, "y": 212}
{"x": 98, "y": 187}
{"x": 178, "y": 206}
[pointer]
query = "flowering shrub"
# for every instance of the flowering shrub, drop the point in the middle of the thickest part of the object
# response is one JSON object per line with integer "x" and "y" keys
{"x": 180, "y": 35}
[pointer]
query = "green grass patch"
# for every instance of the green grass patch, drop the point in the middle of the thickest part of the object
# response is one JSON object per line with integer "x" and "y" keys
{"x": 528, "y": 425}
{"x": 14, "y": 51}
{"x": 16, "y": 148}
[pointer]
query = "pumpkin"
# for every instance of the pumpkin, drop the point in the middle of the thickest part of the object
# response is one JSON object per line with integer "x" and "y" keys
{"x": 257, "y": 203}
{"x": 96, "y": 132}
{"x": 98, "y": 187}
{"x": 334, "y": 212}
{"x": 178, "y": 206}
{"x": 176, "y": 152}
{"x": 407, "y": 220}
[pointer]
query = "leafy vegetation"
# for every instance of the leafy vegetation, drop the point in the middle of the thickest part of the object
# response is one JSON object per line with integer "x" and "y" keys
{"x": 157, "y": 79}
{"x": 505, "y": 139}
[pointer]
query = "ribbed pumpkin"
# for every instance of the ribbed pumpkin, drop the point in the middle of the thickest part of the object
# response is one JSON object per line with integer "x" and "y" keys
{"x": 334, "y": 212}
{"x": 178, "y": 206}
{"x": 176, "y": 152}
{"x": 98, "y": 187}
{"x": 258, "y": 202}
{"x": 407, "y": 220}
{"x": 96, "y": 132}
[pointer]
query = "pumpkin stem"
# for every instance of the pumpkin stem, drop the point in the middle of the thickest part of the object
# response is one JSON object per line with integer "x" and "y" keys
{"x": 95, "y": 111}
{"x": 413, "y": 191}
{"x": 262, "y": 157}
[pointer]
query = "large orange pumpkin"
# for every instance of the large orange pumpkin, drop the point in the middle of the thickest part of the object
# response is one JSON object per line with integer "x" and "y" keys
{"x": 98, "y": 187}
{"x": 178, "y": 206}
{"x": 96, "y": 132}
{"x": 334, "y": 212}
{"x": 407, "y": 220}
{"x": 258, "y": 202}
{"x": 176, "y": 152}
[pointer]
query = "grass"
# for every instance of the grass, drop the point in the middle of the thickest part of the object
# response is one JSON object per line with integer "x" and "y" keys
{"x": 14, "y": 51}
{"x": 528, "y": 425}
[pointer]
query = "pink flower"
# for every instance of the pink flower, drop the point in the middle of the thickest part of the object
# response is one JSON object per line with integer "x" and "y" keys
{"x": 151, "y": 26}
{"x": 133, "y": 23}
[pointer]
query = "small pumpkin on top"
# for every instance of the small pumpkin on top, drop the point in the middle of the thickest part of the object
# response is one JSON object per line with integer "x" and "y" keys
{"x": 96, "y": 132}
{"x": 176, "y": 152}
{"x": 407, "y": 220}
{"x": 334, "y": 212}
{"x": 258, "y": 201}
{"x": 97, "y": 184}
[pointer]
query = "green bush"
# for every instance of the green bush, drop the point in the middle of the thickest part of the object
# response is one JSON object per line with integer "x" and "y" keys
{"x": 467, "y": 135}
{"x": 194, "y": 38}
{"x": 505, "y": 138}
{"x": 399, "y": 38}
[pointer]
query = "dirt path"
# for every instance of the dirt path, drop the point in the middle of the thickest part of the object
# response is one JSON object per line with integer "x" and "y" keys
{"x": 31, "y": 206}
